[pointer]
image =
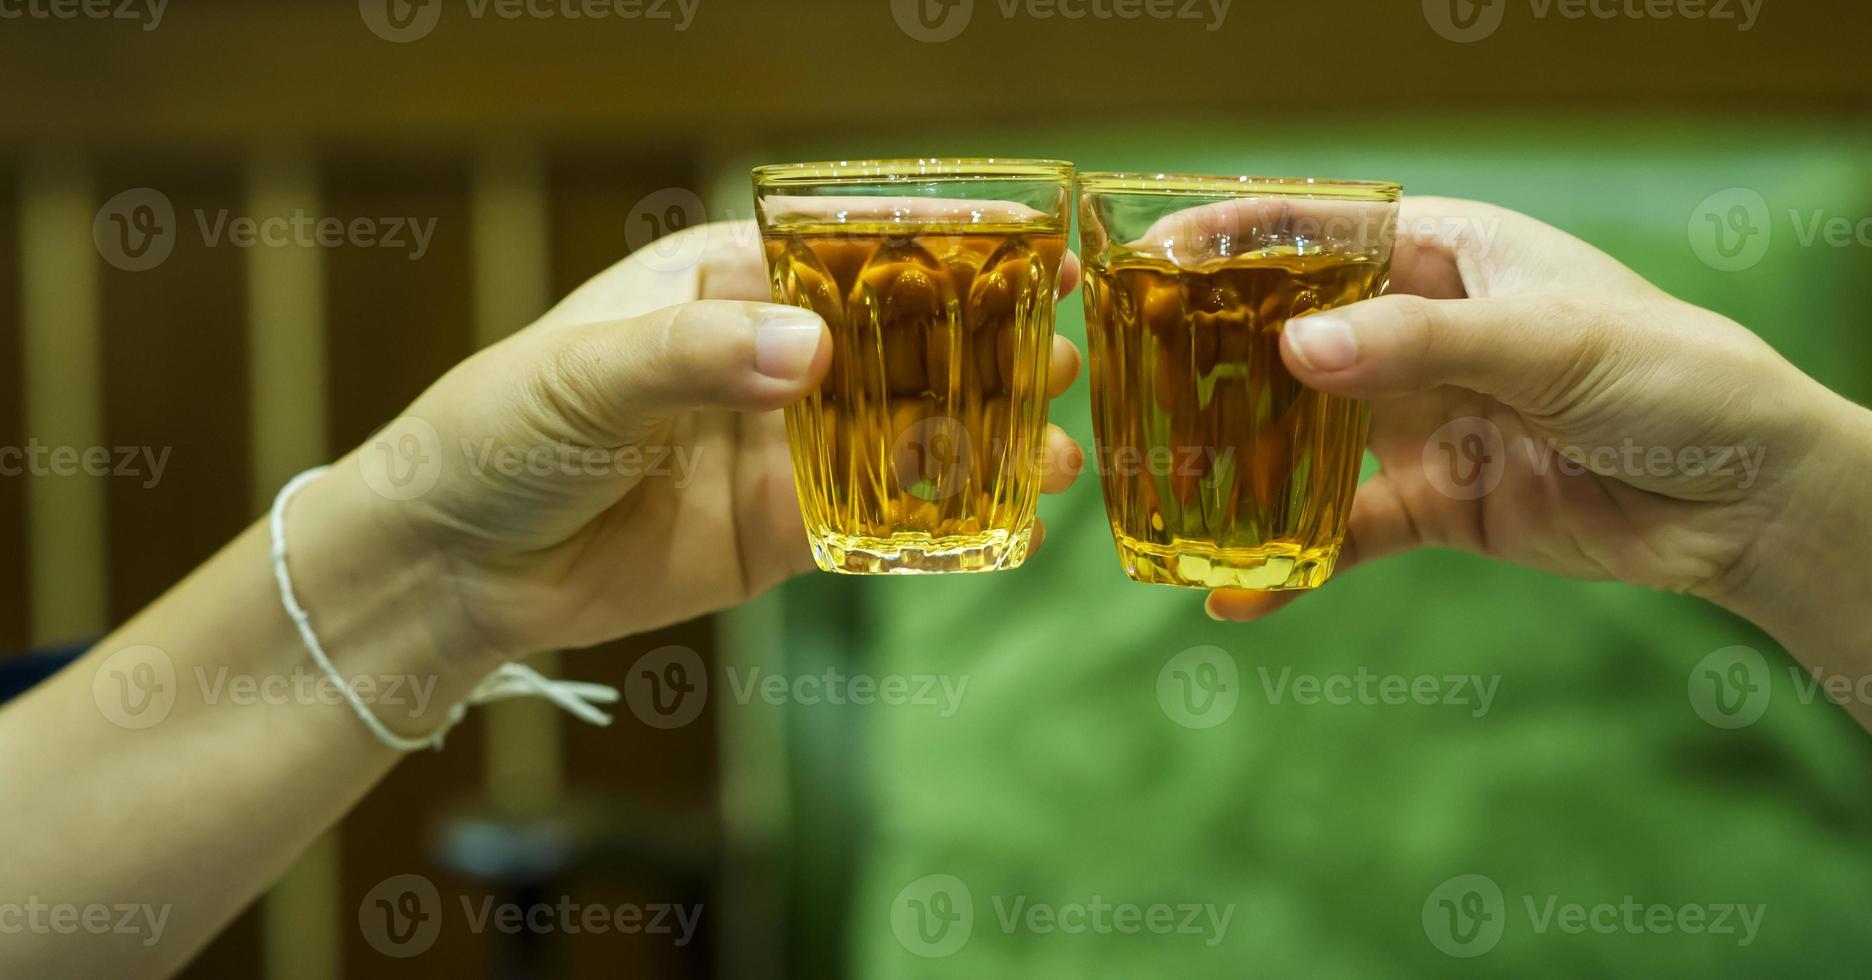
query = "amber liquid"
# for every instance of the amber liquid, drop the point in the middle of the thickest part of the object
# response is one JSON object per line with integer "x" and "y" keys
{"x": 920, "y": 452}
{"x": 1219, "y": 469}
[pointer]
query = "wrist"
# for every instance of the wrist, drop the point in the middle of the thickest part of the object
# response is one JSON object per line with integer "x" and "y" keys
{"x": 1803, "y": 579}
{"x": 382, "y": 602}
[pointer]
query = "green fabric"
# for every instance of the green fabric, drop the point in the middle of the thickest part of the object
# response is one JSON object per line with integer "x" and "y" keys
{"x": 1323, "y": 828}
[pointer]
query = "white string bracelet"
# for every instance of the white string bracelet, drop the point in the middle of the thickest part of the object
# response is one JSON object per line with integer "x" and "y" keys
{"x": 510, "y": 681}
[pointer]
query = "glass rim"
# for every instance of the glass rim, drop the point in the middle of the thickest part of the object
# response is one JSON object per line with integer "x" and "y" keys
{"x": 1218, "y": 185}
{"x": 911, "y": 169}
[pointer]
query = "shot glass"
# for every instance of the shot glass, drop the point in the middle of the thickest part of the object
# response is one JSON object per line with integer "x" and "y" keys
{"x": 1219, "y": 469}
{"x": 921, "y": 450}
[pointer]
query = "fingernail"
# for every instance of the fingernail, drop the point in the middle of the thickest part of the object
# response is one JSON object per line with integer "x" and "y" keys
{"x": 785, "y": 342}
{"x": 1323, "y": 342}
{"x": 1209, "y": 607}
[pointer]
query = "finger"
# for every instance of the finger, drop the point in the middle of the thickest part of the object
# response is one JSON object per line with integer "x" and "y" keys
{"x": 1063, "y": 460}
{"x": 1064, "y": 369}
{"x": 1530, "y": 352}
{"x": 1038, "y": 538}
{"x": 1378, "y": 527}
{"x": 1069, "y": 274}
{"x": 604, "y": 379}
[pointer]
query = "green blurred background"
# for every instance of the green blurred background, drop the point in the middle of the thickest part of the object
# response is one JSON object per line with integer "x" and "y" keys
{"x": 1589, "y": 779}
{"x": 1068, "y": 772}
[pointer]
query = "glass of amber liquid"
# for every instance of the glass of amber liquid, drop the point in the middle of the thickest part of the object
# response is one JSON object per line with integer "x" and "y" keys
{"x": 1219, "y": 469}
{"x": 921, "y": 450}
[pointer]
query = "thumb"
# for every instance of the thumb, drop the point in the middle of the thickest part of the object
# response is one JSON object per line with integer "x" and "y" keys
{"x": 1525, "y": 351}
{"x": 747, "y": 357}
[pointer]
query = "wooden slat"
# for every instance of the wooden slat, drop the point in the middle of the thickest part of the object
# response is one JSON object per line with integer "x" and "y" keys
{"x": 63, "y": 401}
{"x": 15, "y": 630}
{"x": 302, "y": 925}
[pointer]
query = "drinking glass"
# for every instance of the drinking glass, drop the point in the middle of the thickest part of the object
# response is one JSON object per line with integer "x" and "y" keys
{"x": 921, "y": 450}
{"x": 1219, "y": 469}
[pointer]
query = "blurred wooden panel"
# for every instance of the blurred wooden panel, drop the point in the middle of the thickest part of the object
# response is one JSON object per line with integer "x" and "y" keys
{"x": 755, "y": 66}
{"x": 61, "y": 362}
{"x": 15, "y": 631}
{"x": 175, "y": 386}
{"x": 173, "y": 345}
{"x": 592, "y": 193}
{"x": 396, "y": 322}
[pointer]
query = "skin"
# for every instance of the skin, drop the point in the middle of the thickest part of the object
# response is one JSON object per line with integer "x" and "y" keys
{"x": 1495, "y": 316}
{"x": 662, "y": 351}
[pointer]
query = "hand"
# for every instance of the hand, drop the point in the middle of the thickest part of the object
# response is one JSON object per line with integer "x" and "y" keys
{"x": 1534, "y": 400}
{"x": 621, "y": 464}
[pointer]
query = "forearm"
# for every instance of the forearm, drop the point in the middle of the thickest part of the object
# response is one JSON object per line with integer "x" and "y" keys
{"x": 187, "y": 785}
{"x": 1808, "y": 579}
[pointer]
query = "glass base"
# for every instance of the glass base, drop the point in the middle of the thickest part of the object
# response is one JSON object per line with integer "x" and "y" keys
{"x": 1197, "y": 565}
{"x": 921, "y": 554}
